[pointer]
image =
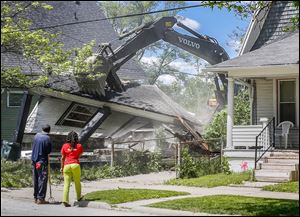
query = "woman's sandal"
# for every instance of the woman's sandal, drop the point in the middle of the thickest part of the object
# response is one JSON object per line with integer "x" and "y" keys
{"x": 80, "y": 199}
{"x": 66, "y": 204}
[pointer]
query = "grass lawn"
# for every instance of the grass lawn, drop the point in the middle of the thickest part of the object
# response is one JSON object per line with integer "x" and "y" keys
{"x": 283, "y": 187}
{"x": 122, "y": 195}
{"x": 210, "y": 181}
{"x": 234, "y": 205}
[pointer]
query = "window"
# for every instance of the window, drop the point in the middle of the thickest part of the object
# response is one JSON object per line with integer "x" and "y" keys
{"x": 287, "y": 100}
{"x": 14, "y": 98}
{"x": 77, "y": 115}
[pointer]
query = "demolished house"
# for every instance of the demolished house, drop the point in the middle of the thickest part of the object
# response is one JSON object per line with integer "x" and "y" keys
{"x": 130, "y": 117}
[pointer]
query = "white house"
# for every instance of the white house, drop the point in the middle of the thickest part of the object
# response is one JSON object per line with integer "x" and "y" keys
{"x": 269, "y": 66}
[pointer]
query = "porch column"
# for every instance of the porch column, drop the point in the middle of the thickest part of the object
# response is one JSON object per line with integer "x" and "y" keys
{"x": 230, "y": 95}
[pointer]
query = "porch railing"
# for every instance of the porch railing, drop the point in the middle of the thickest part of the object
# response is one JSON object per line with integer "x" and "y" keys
{"x": 264, "y": 140}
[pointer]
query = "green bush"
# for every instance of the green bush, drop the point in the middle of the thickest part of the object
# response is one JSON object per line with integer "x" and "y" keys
{"x": 16, "y": 174}
{"x": 192, "y": 167}
{"x": 188, "y": 168}
{"x": 140, "y": 162}
{"x": 225, "y": 166}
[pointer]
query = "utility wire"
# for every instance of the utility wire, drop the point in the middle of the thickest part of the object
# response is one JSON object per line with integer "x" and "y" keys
{"x": 110, "y": 18}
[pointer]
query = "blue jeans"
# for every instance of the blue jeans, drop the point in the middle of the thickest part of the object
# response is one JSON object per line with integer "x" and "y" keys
{"x": 40, "y": 178}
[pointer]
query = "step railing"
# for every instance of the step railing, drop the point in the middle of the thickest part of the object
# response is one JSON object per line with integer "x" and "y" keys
{"x": 264, "y": 140}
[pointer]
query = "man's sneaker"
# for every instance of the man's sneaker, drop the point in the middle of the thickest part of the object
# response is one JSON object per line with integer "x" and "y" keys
{"x": 39, "y": 201}
{"x": 35, "y": 200}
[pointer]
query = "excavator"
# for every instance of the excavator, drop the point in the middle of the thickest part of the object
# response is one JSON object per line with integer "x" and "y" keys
{"x": 108, "y": 61}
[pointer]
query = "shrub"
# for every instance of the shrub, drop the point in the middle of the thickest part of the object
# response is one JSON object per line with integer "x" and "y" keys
{"x": 188, "y": 168}
{"x": 192, "y": 167}
{"x": 16, "y": 174}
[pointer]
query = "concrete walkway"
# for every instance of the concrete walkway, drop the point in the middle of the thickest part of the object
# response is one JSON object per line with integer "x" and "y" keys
{"x": 150, "y": 181}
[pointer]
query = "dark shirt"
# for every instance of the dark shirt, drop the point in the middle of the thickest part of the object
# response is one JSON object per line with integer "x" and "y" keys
{"x": 41, "y": 147}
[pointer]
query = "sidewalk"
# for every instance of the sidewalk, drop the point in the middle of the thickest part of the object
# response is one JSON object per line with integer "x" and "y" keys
{"x": 150, "y": 181}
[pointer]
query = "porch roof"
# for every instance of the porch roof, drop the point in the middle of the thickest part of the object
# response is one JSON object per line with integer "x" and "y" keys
{"x": 280, "y": 53}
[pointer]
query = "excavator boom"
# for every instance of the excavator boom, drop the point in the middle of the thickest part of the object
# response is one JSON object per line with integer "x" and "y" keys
{"x": 204, "y": 47}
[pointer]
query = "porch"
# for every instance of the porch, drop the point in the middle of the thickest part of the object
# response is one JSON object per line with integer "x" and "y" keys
{"x": 244, "y": 137}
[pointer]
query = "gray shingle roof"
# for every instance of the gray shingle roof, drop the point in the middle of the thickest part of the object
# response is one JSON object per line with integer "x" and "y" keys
{"x": 277, "y": 20}
{"x": 146, "y": 97}
{"x": 284, "y": 50}
{"x": 79, "y": 34}
{"x": 151, "y": 98}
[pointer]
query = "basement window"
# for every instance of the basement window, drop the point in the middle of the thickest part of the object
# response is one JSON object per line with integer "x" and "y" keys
{"x": 77, "y": 115}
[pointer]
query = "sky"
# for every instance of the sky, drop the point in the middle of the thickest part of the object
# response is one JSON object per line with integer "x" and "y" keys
{"x": 217, "y": 23}
{"x": 214, "y": 22}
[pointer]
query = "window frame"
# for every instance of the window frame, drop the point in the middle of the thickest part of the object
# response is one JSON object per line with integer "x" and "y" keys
{"x": 70, "y": 110}
{"x": 279, "y": 101}
{"x": 8, "y": 99}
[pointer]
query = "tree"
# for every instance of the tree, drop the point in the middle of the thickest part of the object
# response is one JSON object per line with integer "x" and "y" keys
{"x": 165, "y": 53}
{"x": 236, "y": 38}
{"x": 37, "y": 50}
{"x": 245, "y": 9}
{"x": 217, "y": 128}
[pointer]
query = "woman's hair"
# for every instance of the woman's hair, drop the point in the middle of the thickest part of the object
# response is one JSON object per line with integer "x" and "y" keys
{"x": 72, "y": 138}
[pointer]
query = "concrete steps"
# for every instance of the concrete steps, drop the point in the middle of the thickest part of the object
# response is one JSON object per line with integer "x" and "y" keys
{"x": 280, "y": 166}
{"x": 275, "y": 175}
{"x": 282, "y": 160}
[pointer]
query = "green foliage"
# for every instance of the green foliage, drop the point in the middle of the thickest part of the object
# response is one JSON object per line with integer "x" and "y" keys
{"x": 122, "y": 195}
{"x": 192, "y": 167}
{"x": 217, "y": 128}
{"x": 225, "y": 166}
{"x": 294, "y": 21}
{"x": 135, "y": 162}
{"x": 192, "y": 94}
{"x": 234, "y": 205}
{"x": 242, "y": 108}
{"x": 213, "y": 180}
{"x": 13, "y": 77}
{"x": 188, "y": 168}
{"x": 292, "y": 187}
{"x": 36, "y": 48}
{"x": 166, "y": 53}
{"x": 16, "y": 174}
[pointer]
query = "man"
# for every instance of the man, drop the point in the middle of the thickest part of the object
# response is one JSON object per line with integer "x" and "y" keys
{"x": 41, "y": 148}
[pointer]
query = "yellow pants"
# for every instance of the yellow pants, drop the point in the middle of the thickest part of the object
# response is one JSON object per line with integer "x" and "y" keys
{"x": 71, "y": 170}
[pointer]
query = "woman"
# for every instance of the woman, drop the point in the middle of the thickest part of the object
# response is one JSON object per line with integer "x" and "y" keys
{"x": 70, "y": 166}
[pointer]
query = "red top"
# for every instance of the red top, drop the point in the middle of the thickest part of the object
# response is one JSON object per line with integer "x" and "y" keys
{"x": 72, "y": 156}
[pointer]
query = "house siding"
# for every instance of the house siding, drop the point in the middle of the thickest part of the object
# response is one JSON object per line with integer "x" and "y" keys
{"x": 277, "y": 20}
{"x": 9, "y": 116}
{"x": 264, "y": 99}
{"x": 50, "y": 110}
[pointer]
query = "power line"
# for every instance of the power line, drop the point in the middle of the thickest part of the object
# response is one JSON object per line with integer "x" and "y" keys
{"x": 110, "y": 18}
